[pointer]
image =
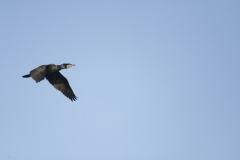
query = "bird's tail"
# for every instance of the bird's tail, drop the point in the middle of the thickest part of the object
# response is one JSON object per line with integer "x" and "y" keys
{"x": 26, "y": 76}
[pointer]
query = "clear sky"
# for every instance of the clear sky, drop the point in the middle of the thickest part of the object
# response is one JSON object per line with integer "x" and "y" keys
{"x": 155, "y": 80}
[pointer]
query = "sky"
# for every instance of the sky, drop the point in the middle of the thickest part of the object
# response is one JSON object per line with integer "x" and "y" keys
{"x": 155, "y": 79}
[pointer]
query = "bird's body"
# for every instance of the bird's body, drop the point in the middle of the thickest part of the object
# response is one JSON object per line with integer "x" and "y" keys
{"x": 52, "y": 74}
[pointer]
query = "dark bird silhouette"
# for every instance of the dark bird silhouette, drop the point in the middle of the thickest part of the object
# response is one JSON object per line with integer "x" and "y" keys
{"x": 52, "y": 74}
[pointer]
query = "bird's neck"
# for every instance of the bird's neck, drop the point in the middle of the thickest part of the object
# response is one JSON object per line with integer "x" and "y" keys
{"x": 61, "y": 66}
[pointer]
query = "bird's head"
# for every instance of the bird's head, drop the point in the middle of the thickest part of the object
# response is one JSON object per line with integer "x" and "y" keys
{"x": 67, "y": 65}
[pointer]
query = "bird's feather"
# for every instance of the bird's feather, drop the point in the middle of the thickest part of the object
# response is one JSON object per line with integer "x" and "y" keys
{"x": 38, "y": 74}
{"x": 61, "y": 84}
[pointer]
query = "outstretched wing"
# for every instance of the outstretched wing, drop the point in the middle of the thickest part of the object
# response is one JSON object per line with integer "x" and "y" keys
{"x": 61, "y": 84}
{"x": 38, "y": 74}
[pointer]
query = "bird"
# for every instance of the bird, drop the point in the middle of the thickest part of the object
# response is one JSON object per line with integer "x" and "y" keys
{"x": 52, "y": 74}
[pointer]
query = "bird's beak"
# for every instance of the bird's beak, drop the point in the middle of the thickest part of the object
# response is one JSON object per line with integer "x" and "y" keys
{"x": 70, "y": 65}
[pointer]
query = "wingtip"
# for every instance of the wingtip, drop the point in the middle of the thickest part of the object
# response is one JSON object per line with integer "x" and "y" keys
{"x": 73, "y": 99}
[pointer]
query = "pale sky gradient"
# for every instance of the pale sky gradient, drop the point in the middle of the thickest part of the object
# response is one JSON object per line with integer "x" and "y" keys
{"x": 155, "y": 80}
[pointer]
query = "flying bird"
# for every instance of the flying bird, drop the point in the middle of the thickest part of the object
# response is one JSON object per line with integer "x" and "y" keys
{"x": 52, "y": 74}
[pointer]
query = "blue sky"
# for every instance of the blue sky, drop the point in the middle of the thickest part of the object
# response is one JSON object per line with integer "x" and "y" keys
{"x": 154, "y": 80}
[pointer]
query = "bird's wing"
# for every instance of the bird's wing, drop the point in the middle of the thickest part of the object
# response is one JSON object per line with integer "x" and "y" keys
{"x": 61, "y": 84}
{"x": 38, "y": 74}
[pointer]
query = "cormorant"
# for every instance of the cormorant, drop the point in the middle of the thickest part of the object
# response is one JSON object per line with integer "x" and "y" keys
{"x": 52, "y": 74}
